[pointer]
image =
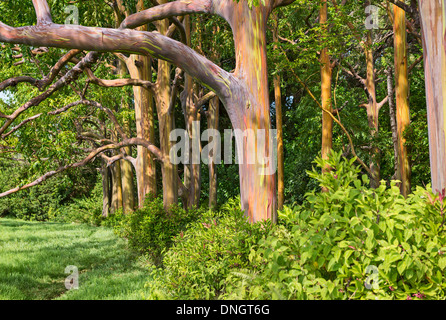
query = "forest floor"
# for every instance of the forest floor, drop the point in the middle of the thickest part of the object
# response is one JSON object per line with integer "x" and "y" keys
{"x": 35, "y": 256}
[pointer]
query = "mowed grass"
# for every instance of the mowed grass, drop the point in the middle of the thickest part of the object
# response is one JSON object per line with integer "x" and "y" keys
{"x": 34, "y": 255}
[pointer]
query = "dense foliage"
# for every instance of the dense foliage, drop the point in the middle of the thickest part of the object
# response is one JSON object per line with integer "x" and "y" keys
{"x": 151, "y": 230}
{"x": 351, "y": 242}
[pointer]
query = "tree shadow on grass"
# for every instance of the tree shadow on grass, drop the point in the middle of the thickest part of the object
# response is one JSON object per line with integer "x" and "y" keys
{"x": 34, "y": 256}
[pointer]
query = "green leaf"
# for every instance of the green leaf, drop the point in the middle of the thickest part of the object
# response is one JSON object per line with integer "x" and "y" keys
{"x": 401, "y": 267}
{"x": 390, "y": 224}
{"x": 369, "y": 242}
{"x": 337, "y": 254}
{"x": 442, "y": 263}
{"x": 331, "y": 264}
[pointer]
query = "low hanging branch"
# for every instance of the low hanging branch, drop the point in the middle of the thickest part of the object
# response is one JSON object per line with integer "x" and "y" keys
{"x": 119, "y": 82}
{"x": 41, "y": 83}
{"x": 93, "y": 154}
{"x": 69, "y": 77}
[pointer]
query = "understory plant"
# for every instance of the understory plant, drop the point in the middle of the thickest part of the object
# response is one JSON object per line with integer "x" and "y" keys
{"x": 151, "y": 230}
{"x": 203, "y": 256}
{"x": 351, "y": 242}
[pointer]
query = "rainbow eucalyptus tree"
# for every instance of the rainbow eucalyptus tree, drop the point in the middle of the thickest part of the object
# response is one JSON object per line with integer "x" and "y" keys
{"x": 433, "y": 25}
{"x": 244, "y": 92}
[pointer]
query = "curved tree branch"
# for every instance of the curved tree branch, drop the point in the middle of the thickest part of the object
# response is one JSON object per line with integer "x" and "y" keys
{"x": 67, "y": 78}
{"x": 119, "y": 82}
{"x": 167, "y": 10}
{"x": 133, "y": 141}
{"x": 41, "y": 84}
{"x": 124, "y": 41}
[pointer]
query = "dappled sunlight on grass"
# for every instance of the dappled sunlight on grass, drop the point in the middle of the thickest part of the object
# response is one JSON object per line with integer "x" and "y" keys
{"x": 34, "y": 255}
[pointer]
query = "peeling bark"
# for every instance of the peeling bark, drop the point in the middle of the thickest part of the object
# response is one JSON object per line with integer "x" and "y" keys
{"x": 402, "y": 98}
{"x": 433, "y": 22}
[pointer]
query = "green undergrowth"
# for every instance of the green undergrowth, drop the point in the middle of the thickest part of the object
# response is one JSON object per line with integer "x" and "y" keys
{"x": 351, "y": 242}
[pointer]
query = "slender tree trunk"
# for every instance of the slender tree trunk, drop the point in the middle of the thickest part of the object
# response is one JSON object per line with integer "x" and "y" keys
{"x": 128, "y": 192}
{"x": 402, "y": 99}
{"x": 244, "y": 93}
{"x": 166, "y": 125}
{"x": 212, "y": 121}
{"x": 393, "y": 126}
{"x": 106, "y": 196}
{"x": 372, "y": 112}
{"x": 192, "y": 170}
{"x": 326, "y": 78}
{"x": 433, "y": 21}
{"x": 116, "y": 202}
{"x": 140, "y": 68}
{"x": 279, "y": 127}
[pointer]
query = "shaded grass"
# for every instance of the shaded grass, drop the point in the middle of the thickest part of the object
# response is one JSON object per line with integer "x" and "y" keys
{"x": 34, "y": 255}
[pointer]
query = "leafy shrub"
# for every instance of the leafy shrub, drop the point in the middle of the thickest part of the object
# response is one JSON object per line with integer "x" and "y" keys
{"x": 351, "y": 242}
{"x": 33, "y": 203}
{"x": 201, "y": 258}
{"x": 86, "y": 210}
{"x": 41, "y": 202}
{"x": 150, "y": 230}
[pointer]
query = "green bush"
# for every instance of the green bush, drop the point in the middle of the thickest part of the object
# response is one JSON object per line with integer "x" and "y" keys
{"x": 33, "y": 203}
{"x": 351, "y": 242}
{"x": 150, "y": 230}
{"x": 43, "y": 201}
{"x": 86, "y": 210}
{"x": 201, "y": 257}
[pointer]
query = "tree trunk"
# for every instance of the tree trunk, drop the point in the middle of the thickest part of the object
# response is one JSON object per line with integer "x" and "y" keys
{"x": 248, "y": 109}
{"x": 279, "y": 127}
{"x": 192, "y": 170}
{"x": 116, "y": 202}
{"x": 372, "y": 112}
{"x": 433, "y": 21}
{"x": 166, "y": 125}
{"x": 393, "y": 126}
{"x": 244, "y": 93}
{"x": 106, "y": 196}
{"x": 128, "y": 193}
{"x": 326, "y": 76}
{"x": 402, "y": 99}
{"x": 212, "y": 121}
{"x": 140, "y": 68}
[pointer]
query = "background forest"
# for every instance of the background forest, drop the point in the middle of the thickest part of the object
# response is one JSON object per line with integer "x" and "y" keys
{"x": 337, "y": 169}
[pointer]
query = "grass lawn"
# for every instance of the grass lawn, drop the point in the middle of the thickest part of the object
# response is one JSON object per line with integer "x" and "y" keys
{"x": 34, "y": 255}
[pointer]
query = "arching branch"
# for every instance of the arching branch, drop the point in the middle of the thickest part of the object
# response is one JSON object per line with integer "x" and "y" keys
{"x": 93, "y": 154}
{"x": 124, "y": 41}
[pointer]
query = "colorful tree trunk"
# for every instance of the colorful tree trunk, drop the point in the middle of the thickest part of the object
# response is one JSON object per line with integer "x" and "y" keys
{"x": 128, "y": 192}
{"x": 212, "y": 121}
{"x": 140, "y": 68}
{"x": 106, "y": 195}
{"x": 326, "y": 76}
{"x": 279, "y": 127}
{"x": 166, "y": 125}
{"x": 372, "y": 111}
{"x": 248, "y": 109}
{"x": 402, "y": 97}
{"x": 433, "y": 24}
